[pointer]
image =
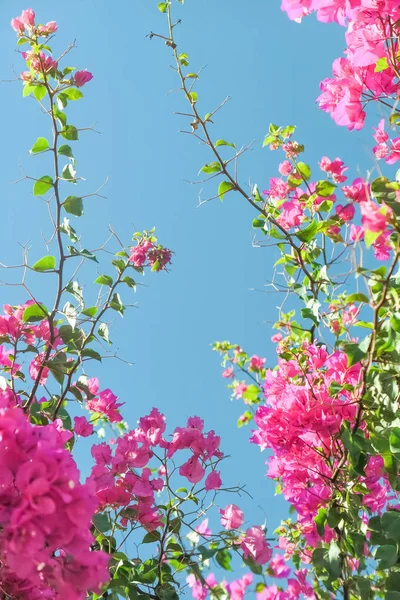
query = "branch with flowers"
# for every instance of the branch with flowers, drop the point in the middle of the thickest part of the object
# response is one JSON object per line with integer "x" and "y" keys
{"x": 328, "y": 413}
{"x": 138, "y": 526}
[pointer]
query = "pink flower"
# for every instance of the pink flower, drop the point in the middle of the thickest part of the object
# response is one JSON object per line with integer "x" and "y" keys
{"x": 203, "y": 528}
{"x": 381, "y": 136}
{"x": 335, "y": 168}
{"x": 232, "y": 517}
{"x": 279, "y": 567}
{"x": 237, "y": 589}
{"x": 291, "y": 215}
{"x": 374, "y": 217}
{"x": 356, "y": 233}
{"x": 213, "y": 481}
{"x": 82, "y": 427}
{"x": 47, "y": 508}
{"x": 82, "y": 77}
{"x": 228, "y": 373}
{"x": 276, "y": 338}
{"x": 346, "y": 213}
{"x": 285, "y": 168}
{"x": 192, "y": 470}
{"x": 358, "y": 191}
{"x": 394, "y": 151}
{"x": 256, "y": 363}
{"x": 28, "y": 17}
{"x": 49, "y": 28}
{"x": 36, "y": 367}
{"x": 255, "y": 545}
{"x": 106, "y": 405}
{"x": 17, "y": 25}
{"x": 240, "y": 390}
{"x": 382, "y": 247}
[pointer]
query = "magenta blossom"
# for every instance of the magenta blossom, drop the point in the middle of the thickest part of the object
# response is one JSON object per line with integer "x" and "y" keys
{"x": 82, "y": 77}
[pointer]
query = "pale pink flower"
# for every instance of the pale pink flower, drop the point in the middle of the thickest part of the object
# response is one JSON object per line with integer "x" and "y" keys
{"x": 232, "y": 517}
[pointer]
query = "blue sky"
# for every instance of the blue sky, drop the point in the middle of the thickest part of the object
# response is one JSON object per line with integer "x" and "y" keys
{"x": 271, "y": 68}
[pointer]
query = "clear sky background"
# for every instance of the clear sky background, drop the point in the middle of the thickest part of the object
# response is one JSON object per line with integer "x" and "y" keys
{"x": 271, "y": 67}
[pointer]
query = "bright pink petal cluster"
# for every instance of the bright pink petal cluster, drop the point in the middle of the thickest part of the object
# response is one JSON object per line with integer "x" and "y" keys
{"x": 45, "y": 515}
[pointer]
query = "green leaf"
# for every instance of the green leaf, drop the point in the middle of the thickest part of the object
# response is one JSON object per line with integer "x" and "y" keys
{"x": 91, "y": 311}
{"x": 253, "y": 566}
{"x": 354, "y": 352}
{"x": 103, "y": 332}
{"x": 39, "y": 92}
{"x": 116, "y": 303}
{"x": 304, "y": 170}
{"x": 391, "y": 524}
{"x": 68, "y": 173}
{"x": 224, "y": 143}
{"x": 320, "y": 521}
{"x": 387, "y": 556}
{"x": 358, "y": 297}
{"x": 73, "y": 205}
{"x": 66, "y": 150}
{"x": 70, "y": 133}
{"x": 162, "y": 6}
{"x": 184, "y": 60}
{"x": 129, "y": 282}
{"x": 193, "y": 97}
{"x": 325, "y": 188}
{"x": 42, "y": 185}
{"x": 85, "y": 253}
{"x": 90, "y": 353}
{"x": 73, "y": 93}
{"x": 269, "y": 139}
{"x": 223, "y": 558}
{"x": 104, "y": 280}
{"x": 213, "y": 167}
{"x": 34, "y": 313}
{"x": 394, "y": 440}
{"x": 47, "y": 263}
{"x": 102, "y": 522}
{"x": 152, "y": 536}
{"x": 370, "y": 237}
{"x": 66, "y": 228}
{"x": 40, "y": 145}
{"x": 334, "y": 561}
{"x": 223, "y": 188}
{"x": 307, "y": 234}
{"x": 381, "y": 64}
{"x": 27, "y": 90}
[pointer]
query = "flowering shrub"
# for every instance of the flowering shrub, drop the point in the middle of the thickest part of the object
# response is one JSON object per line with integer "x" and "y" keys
{"x": 61, "y": 537}
{"x": 328, "y": 412}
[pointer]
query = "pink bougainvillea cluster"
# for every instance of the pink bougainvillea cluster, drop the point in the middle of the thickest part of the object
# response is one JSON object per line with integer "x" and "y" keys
{"x": 370, "y": 70}
{"x": 45, "y": 515}
{"x": 358, "y": 217}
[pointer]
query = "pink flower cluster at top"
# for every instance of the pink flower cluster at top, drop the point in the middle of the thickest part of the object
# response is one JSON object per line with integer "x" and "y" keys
{"x": 26, "y": 22}
{"x": 300, "y": 424}
{"x": 294, "y": 202}
{"x": 41, "y": 63}
{"x": 45, "y": 515}
{"x": 372, "y": 25}
{"x": 145, "y": 252}
{"x": 123, "y": 478}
